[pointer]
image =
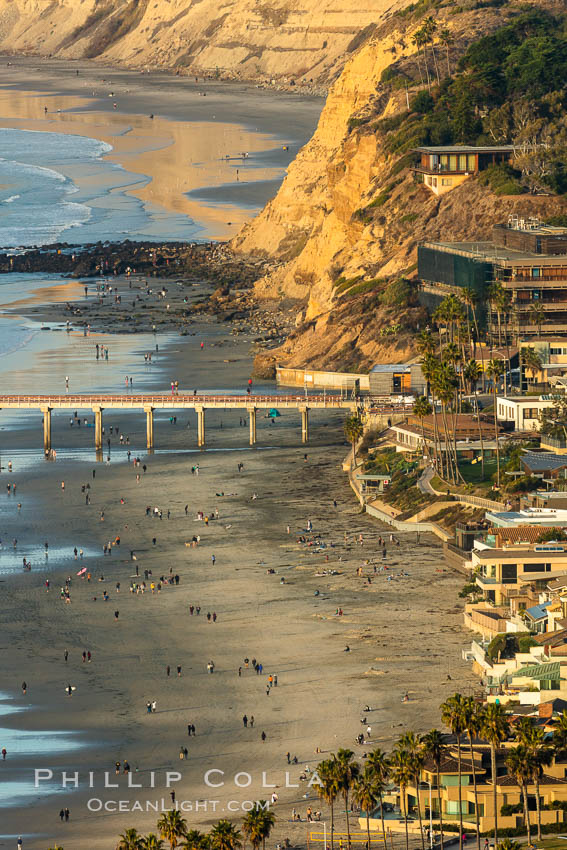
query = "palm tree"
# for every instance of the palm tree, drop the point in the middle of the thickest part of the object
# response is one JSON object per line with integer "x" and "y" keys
{"x": 531, "y": 360}
{"x": 453, "y": 716}
{"x": 378, "y": 763}
{"x": 495, "y": 730}
{"x": 130, "y": 840}
{"x": 152, "y": 842}
{"x": 560, "y": 735}
{"x": 328, "y": 789}
{"x": 446, "y": 39}
{"x": 353, "y": 428}
{"x": 494, "y": 293}
{"x": 401, "y": 773}
{"x": 417, "y": 39}
{"x": 538, "y": 316}
{"x": 252, "y": 827}
{"x": 434, "y": 747}
{"x": 495, "y": 371}
{"x": 225, "y": 836}
{"x": 172, "y": 827}
{"x": 518, "y": 762}
{"x": 430, "y": 368}
{"x": 422, "y": 408}
{"x": 473, "y": 723}
{"x": 411, "y": 743}
{"x": 258, "y": 824}
{"x": 195, "y": 840}
{"x": 425, "y": 343}
{"x": 347, "y": 771}
{"x": 534, "y": 739}
{"x": 430, "y": 28}
{"x": 365, "y": 795}
{"x": 471, "y": 374}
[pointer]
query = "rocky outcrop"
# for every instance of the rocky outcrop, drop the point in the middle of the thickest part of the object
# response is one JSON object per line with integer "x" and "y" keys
{"x": 246, "y": 39}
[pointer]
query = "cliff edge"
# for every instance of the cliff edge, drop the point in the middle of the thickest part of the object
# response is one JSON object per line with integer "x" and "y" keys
{"x": 347, "y": 219}
{"x": 281, "y": 40}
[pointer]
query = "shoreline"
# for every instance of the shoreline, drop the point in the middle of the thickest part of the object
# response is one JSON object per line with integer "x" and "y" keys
{"x": 291, "y": 628}
{"x": 180, "y": 151}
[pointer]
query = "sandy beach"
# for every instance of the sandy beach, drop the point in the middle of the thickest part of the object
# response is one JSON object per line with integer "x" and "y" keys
{"x": 404, "y": 634}
{"x": 290, "y": 570}
{"x": 188, "y": 154}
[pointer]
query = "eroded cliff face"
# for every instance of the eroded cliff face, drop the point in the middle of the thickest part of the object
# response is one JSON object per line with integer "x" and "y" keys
{"x": 349, "y": 209}
{"x": 247, "y": 39}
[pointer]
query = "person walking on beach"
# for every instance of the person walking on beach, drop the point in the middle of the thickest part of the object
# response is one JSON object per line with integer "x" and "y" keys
{"x": 62, "y": 815}
{"x": 245, "y": 721}
{"x": 20, "y": 843}
{"x": 179, "y": 671}
{"x": 24, "y": 688}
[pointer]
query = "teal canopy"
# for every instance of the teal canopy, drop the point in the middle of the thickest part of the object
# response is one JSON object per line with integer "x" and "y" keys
{"x": 273, "y": 413}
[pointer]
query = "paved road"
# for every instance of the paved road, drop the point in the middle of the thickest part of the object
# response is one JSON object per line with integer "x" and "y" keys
{"x": 424, "y": 481}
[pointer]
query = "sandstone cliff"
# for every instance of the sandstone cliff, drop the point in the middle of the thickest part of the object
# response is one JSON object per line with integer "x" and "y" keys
{"x": 350, "y": 209}
{"x": 247, "y": 39}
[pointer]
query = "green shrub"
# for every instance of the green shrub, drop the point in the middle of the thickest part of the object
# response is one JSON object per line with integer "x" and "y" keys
{"x": 502, "y": 179}
{"x": 354, "y": 122}
{"x": 509, "y": 809}
{"x": 343, "y": 283}
{"x": 422, "y": 102}
{"x": 365, "y": 286}
{"x": 399, "y": 293}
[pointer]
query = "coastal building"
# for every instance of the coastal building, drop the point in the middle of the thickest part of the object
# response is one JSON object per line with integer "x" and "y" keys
{"x": 544, "y": 499}
{"x": 529, "y": 261}
{"x": 418, "y": 434}
{"x": 537, "y": 519}
{"x": 502, "y": 565}
{"x": 475, "y": 765}
{"x": 549, "y": 466}
{"x": 524, "y": 414}
{"x": 552, "y": 355}
{"x": 444, "y": 167}
{"x": 387, "y": 379}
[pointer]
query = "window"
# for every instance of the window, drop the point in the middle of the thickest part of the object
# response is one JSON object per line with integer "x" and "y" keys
{"x": 462, "y": 162}
{"x": 452, "y": 162}
{"x": 530, "y": 413}
{"x": 509, "y": 573}
{"x": 471, "y": 162}
{"x": 446, "y": 181}
{"x": 534, "y": 568}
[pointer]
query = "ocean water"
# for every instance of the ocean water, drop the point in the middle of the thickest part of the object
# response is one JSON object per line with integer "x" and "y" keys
{"x": 39, "y": 205}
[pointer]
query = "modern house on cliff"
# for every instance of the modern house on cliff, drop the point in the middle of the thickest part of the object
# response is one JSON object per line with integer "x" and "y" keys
{"x": 442, "y": 168}
{"x": 528, "y": 259}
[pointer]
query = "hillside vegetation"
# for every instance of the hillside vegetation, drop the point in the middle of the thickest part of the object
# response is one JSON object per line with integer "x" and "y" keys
{"x": 349, "y": 216}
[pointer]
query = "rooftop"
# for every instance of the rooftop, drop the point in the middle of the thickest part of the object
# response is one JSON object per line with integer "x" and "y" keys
{"x": 530, "y": 516}
{"x": 490, "y": 252}
{"x": 537, "y": 612}
{"x": 544, "y": 461}
{"x": 391, "y": 367}
{"x": 548, "y": 670}
{"x": 465, "y": 149}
